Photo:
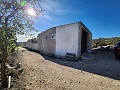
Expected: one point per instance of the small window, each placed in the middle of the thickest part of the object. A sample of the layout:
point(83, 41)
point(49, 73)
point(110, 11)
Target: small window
point(53, 36)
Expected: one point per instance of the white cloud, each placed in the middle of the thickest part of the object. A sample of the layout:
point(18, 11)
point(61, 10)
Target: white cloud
point(24, 38)
point(56, 7)
point(51, 8)
point(48, 17)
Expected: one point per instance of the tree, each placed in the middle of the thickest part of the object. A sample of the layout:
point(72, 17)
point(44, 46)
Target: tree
point(15, 18)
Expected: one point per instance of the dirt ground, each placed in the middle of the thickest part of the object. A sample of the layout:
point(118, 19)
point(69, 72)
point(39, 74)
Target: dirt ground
point(45, 73)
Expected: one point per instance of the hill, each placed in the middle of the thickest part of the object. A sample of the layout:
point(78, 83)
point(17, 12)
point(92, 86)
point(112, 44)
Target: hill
point(105, 41)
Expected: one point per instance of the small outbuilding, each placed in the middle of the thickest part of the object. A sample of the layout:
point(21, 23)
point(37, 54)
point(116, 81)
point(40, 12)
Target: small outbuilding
point(32, 44)
point(74, 38)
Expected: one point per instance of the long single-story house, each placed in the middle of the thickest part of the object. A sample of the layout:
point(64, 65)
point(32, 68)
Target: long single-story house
point(73, 38)
point(32, 44)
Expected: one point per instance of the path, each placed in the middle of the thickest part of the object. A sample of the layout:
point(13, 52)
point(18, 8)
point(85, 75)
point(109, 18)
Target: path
point(41, 74)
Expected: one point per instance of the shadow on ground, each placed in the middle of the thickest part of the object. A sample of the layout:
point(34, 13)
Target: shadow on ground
point(103, 64)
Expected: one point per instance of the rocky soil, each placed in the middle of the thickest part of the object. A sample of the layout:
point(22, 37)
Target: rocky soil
point(44, 73)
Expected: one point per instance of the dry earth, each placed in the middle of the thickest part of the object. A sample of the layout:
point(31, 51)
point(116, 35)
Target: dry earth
point(54, 74)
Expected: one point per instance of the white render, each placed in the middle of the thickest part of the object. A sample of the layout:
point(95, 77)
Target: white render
point(33, 46)
point(70, 38)
point(67, 39)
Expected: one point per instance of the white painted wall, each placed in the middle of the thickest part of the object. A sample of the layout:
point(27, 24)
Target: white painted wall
point(33, 46)
point(67, 39)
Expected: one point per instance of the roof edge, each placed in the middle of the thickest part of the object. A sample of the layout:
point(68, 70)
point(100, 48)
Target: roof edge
point(68, 24)
point(84, 26)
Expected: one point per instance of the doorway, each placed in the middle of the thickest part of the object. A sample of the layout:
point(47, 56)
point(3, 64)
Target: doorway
point(84, 41)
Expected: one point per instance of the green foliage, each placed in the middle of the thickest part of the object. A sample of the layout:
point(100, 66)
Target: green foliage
point(105, 41)
point(8, 37)
point(23, 3)
point(13, 20)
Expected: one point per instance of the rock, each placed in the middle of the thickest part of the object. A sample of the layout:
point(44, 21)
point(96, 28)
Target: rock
point(9, 67)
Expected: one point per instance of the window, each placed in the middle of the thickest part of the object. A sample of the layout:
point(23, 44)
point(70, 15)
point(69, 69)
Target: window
point(53, 36)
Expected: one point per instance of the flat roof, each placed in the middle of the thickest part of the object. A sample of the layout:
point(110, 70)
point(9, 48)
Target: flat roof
point(69, 24)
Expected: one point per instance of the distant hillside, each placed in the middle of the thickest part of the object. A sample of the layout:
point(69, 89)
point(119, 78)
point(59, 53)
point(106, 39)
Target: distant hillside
point(21, 43)
point(105, 41)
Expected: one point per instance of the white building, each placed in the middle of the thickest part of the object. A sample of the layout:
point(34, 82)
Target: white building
point(32, 44)
point(72, 38)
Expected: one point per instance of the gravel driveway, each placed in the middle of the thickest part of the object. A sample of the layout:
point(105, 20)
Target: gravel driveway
point(102, 63)
point(45, 73)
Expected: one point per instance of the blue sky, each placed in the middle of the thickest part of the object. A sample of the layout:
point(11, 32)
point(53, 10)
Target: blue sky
point(102, 17)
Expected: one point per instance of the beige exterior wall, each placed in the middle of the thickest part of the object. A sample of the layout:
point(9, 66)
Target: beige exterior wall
point(45, 42)
point(89, 41)
point(89, 37)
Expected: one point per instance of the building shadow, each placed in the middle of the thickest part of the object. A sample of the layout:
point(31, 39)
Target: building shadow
point(108, 68)
point(104, 65)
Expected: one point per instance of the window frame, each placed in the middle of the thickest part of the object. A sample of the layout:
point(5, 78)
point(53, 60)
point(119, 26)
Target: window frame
point(53, 36)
